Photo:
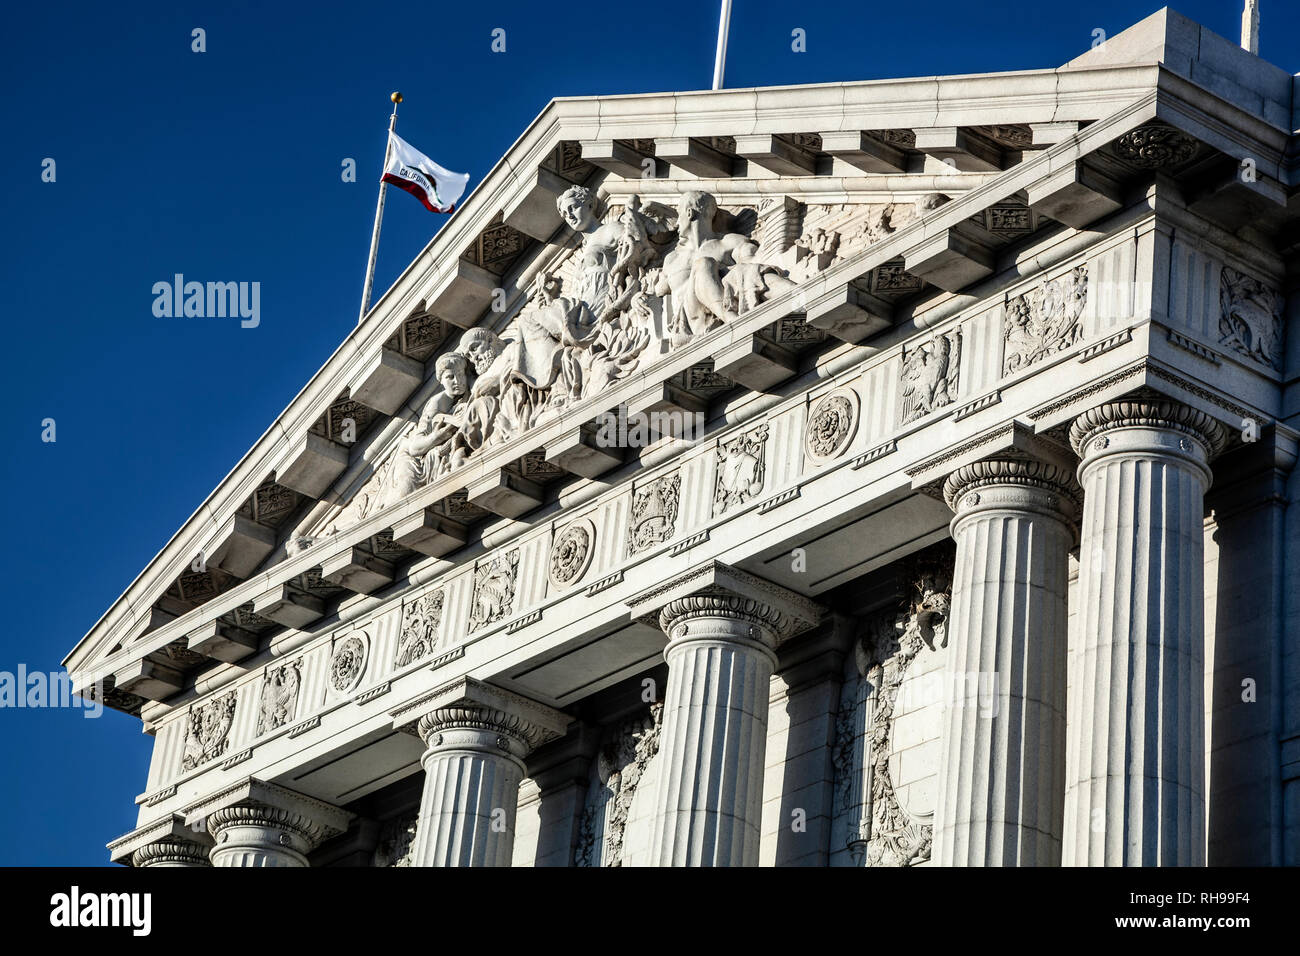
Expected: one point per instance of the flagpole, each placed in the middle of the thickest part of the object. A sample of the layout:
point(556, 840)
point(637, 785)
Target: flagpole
point(720, 58)
point(379, 216)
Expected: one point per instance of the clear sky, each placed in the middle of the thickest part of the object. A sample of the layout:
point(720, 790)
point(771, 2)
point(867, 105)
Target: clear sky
point(225, 165)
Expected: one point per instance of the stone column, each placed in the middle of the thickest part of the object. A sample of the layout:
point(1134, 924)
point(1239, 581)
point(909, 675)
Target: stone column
point(1136, 729)
point(723, 627)
point(1002, 769)
point(478, 736)
point(166, 841)
point(171, 853)
point(256, 823)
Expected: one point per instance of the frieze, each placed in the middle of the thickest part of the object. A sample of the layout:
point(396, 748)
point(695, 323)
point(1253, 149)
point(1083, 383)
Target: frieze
point(1044, 321)
point(421, 623)
point(741, 469)
point(494, 589)
point(653, 517)
point(928, 376)
point(208, 731)
point(1250, 318)
point(279, 696)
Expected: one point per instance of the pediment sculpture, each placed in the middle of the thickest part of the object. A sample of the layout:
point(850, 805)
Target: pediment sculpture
point(641, 283)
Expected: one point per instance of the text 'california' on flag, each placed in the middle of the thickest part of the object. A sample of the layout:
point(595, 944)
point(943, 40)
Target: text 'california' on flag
point(409, 169)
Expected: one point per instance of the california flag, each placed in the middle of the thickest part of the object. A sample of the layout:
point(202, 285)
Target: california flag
point(410, 169)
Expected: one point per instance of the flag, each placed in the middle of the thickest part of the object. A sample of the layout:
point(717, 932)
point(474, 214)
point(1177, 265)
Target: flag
point(409, 169)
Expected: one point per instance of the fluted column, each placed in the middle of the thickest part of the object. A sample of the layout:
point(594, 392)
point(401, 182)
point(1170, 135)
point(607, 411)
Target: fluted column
point(477, 736)
point(261, 824)
point(723, 628)
point(1002, 769)
point(1136, 729)
point(165, 841)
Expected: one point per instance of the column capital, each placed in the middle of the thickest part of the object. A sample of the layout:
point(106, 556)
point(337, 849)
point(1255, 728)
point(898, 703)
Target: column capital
point(162, 842)
point(1088, 432)
point(518, 723)
point(304, 822)
point(714, 589)
point(1044, 486)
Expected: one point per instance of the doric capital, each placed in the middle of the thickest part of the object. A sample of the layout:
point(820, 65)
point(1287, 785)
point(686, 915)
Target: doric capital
point(305, 821)
point(165, 841)
point(717, 590)
point(1031, 483)
point(1087, 434)
point(466, 710)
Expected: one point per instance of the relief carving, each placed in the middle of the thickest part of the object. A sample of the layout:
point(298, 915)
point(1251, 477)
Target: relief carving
point(880, 831)
point(1045, 320)
point(571, 552)
point(279, 696)
point(741, 469)
point(396, 846)
point(831, 425)
point(421, 620)
point(621, 762)
point(348, 662)
point(644, 280)
point(208, 732)
point(929, 376)
point(494, 589)
point(1250, 318)
point(653, 517)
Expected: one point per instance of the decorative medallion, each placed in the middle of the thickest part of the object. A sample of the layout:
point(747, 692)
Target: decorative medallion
point(653, 518)
point(741, 469)
point(421, 620)
point(831, 426)
point(571, 552)
point(1250, 318)
point(349, 662)
point(494, 589)
point(1155, 147)
point(208, 732)
point(279, 696)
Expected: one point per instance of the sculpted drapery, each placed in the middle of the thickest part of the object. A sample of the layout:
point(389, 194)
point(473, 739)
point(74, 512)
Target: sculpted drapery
point(647, 276)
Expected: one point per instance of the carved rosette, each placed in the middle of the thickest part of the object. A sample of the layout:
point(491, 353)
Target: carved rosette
point(494, 589)
point(741, 469)
point(832, 423)
point(349, 662)
point(421, 621)
point(571, 552)
point(208, 732)
point(1188, 433)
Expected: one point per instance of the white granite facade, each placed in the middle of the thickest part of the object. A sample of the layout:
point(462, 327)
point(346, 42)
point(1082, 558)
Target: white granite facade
point(946, 518)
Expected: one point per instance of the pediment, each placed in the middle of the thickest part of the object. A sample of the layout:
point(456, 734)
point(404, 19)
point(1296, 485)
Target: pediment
point(716, 243)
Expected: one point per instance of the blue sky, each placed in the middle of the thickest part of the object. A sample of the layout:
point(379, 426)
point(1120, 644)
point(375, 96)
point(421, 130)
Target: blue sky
point(225, 165)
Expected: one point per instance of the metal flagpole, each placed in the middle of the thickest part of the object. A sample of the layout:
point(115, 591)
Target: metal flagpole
point(379, 216)
point(1250, 27)
point(720, 59)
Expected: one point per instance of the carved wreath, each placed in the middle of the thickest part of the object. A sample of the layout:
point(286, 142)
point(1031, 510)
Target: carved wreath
point(831, 426)
point(572, 551)
point(348, 663)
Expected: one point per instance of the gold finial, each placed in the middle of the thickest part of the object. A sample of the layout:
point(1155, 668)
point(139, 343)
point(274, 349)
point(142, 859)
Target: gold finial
point(395, 97)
